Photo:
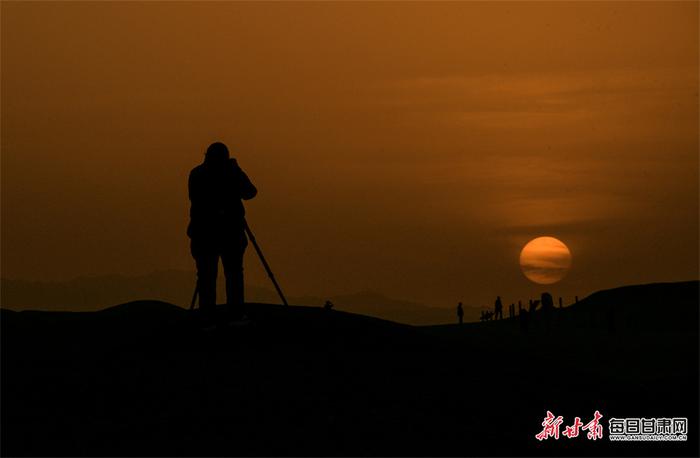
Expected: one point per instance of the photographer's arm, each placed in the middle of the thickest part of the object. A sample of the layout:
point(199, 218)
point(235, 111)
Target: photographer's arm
point(246, 188)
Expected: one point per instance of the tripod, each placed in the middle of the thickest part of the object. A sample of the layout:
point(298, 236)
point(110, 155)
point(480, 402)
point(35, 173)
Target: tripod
point(250, 235)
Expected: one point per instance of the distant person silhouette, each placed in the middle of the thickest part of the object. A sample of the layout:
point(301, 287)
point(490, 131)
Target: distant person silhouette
point(460, 313)
point(534, 305)
point(547, 309)
point(498, 309)
point(547, 302)
point(524, 316)
point(328, 305)
point(217, 225)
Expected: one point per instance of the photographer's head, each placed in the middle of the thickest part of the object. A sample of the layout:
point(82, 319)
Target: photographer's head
point(217, 152)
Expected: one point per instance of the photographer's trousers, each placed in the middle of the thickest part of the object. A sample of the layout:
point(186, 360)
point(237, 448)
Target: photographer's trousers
point(206, 253)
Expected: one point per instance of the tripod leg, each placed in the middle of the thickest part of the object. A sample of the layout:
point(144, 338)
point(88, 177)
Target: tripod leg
point(264, 263)
point(194, 296)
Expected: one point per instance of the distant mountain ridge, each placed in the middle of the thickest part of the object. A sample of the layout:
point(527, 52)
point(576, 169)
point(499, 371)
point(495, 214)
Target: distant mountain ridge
point(400, 311)
point(176, 287)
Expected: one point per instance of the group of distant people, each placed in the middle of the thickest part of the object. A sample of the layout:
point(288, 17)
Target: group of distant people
point(545, 304)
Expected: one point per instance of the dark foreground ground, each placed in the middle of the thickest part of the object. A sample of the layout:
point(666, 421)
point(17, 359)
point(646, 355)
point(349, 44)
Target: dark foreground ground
point(141, 379)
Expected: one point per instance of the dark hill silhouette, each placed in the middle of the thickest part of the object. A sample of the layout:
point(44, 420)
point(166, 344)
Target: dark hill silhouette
point(155, 324)
point(147, 308)
point(143, 378)
point(174, 286)
point(671, 307)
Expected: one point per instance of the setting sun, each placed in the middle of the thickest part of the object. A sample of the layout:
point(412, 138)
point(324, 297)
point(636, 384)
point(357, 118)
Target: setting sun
point(545, 260)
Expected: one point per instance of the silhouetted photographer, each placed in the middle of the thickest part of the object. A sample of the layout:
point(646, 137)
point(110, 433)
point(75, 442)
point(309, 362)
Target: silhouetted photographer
point(217, 225)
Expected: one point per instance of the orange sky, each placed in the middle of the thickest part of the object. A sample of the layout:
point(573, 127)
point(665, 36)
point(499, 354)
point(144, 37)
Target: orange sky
point(408, 148)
